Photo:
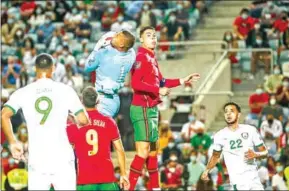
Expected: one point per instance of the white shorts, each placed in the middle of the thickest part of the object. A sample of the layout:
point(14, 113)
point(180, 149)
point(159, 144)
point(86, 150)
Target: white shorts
point(64, 179)
point(248, 181)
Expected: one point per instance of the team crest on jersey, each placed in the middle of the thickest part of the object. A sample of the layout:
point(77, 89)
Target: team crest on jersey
point(137, 65)
point(245, 135)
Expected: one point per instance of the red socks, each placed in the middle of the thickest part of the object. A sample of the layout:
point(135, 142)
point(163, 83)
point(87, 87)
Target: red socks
point(152, 166)
point(135, 170)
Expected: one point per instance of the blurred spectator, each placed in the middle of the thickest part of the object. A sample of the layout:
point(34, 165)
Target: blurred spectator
point(188, 129)
point(28, 53)
point(173, 28)
point(258, 30)
point(243, 24)
point(278, 182)
point(284, 138)
point(19, 37)
point(165, 135)
point(72, 19)
point(264, 57)
point(8, 30)
point(263, 173)
point(133, 9)
point(146, 17)
point(17, 179)
point(45, 31)
point(273, 109)
point(201, 141)
point(271, 128)
point(273, 81)
point(282, 96)
point(280, 25)
point(117, 173)
point(269, 14)
point(69, 60)
point(84, 29)
point(10, 73)
point(171, 148)
point(195, 169)
point(120, 24)
point(271, 166)
point(60, 71)
point(171, 176)
point(4, 15)
point(231, 43)
point(108, 18)
point(201, 185)
point(61, 8)
point(182, 16)
point(256, 103)
point(37, 18)
point(27, 8)
point(55, 40)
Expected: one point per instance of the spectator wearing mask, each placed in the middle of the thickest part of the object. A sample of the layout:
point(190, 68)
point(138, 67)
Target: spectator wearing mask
point(83, 30)
point(28, 52)
point(280, 25)
point(19, 37)
point(201, 141)
point(55, 40)
point(243, 24)
point(278, 182)
point(37, 18)
point(165, 135)
point(269, 14)
point(273, 81)
point(61, 8)
point(69, 60)
point(171, 148)
point(273, 109)
point(264, 57)
point(146, 17)
point(45, 31)
point(182, 16)
point(252, 35)
point(173, 28)
point(231, 43)
point(8, 30)
point(195, 169)
point(282, 96)
point(256, 103)
point(108, 18)
point(171, 176)
point(120, 24)
point(188, 129)
point(59, 72)
point(72, 19)
point(10, 73)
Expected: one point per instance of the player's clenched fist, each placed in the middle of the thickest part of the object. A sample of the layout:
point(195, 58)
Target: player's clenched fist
point(205, 176)
point(250, 154)
point(124, 183)
point(164, 91)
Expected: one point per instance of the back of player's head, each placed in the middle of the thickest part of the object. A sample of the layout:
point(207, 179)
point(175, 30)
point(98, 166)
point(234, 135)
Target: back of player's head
point(130, 39)
point(144, 30)
point(44, 61)
point(232, 104)
point(89, 97)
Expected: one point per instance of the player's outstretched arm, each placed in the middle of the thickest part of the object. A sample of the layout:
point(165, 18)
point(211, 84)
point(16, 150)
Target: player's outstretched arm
point(211, 164)
point(15, 148)
point(124, 182)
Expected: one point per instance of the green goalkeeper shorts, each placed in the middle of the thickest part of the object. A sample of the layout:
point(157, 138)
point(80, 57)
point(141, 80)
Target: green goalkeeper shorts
point(105, 186)
point(145, 123)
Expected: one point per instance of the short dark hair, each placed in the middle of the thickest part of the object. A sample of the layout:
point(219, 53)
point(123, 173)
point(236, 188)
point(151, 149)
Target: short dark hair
point(44, 61)
point(234, 104)
point(89, 97)
point(245, 10)
point(130, 38)
point(144, 29)
point(285, 78)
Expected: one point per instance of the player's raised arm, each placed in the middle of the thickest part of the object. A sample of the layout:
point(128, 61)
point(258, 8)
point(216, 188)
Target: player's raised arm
point(92, 62)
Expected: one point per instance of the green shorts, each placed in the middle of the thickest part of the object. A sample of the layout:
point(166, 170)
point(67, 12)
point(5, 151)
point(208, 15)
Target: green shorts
point(105, 186)
point(145, 123)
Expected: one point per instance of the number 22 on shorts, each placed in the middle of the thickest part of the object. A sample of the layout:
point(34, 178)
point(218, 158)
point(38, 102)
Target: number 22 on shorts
point(92, 139)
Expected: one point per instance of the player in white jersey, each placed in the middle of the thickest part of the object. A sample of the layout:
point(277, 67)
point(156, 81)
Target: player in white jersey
point(237, 142)
point(45, 105)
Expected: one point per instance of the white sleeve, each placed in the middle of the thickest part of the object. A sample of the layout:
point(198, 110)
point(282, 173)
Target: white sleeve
point(217, 144)
point(74, 103)
point(274, 181)
point(14, 102)
point(257, 140)
point(262, 129)
point(279, 129)
point(184, 128)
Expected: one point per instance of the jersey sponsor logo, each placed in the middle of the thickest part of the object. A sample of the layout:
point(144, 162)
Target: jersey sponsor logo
point(245, 135)
point(137, 65)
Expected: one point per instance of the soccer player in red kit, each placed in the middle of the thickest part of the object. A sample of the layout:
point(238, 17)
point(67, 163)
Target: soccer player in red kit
point(92, 142)
point(148, 85)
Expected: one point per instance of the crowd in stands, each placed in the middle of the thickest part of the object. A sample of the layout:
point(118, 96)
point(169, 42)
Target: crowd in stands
point(265, 24)
point(68, 30)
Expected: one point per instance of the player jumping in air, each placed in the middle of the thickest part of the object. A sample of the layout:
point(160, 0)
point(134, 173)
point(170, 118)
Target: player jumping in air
point(112, 59)
point(45, 105)
point(148, 85)
point(92, 146)
point(236, 142)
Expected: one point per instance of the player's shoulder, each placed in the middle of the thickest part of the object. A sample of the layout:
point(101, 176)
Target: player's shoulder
point(220, 132)
point(249, 128)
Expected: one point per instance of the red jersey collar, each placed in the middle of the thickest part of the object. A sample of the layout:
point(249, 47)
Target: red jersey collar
point(144, 50)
